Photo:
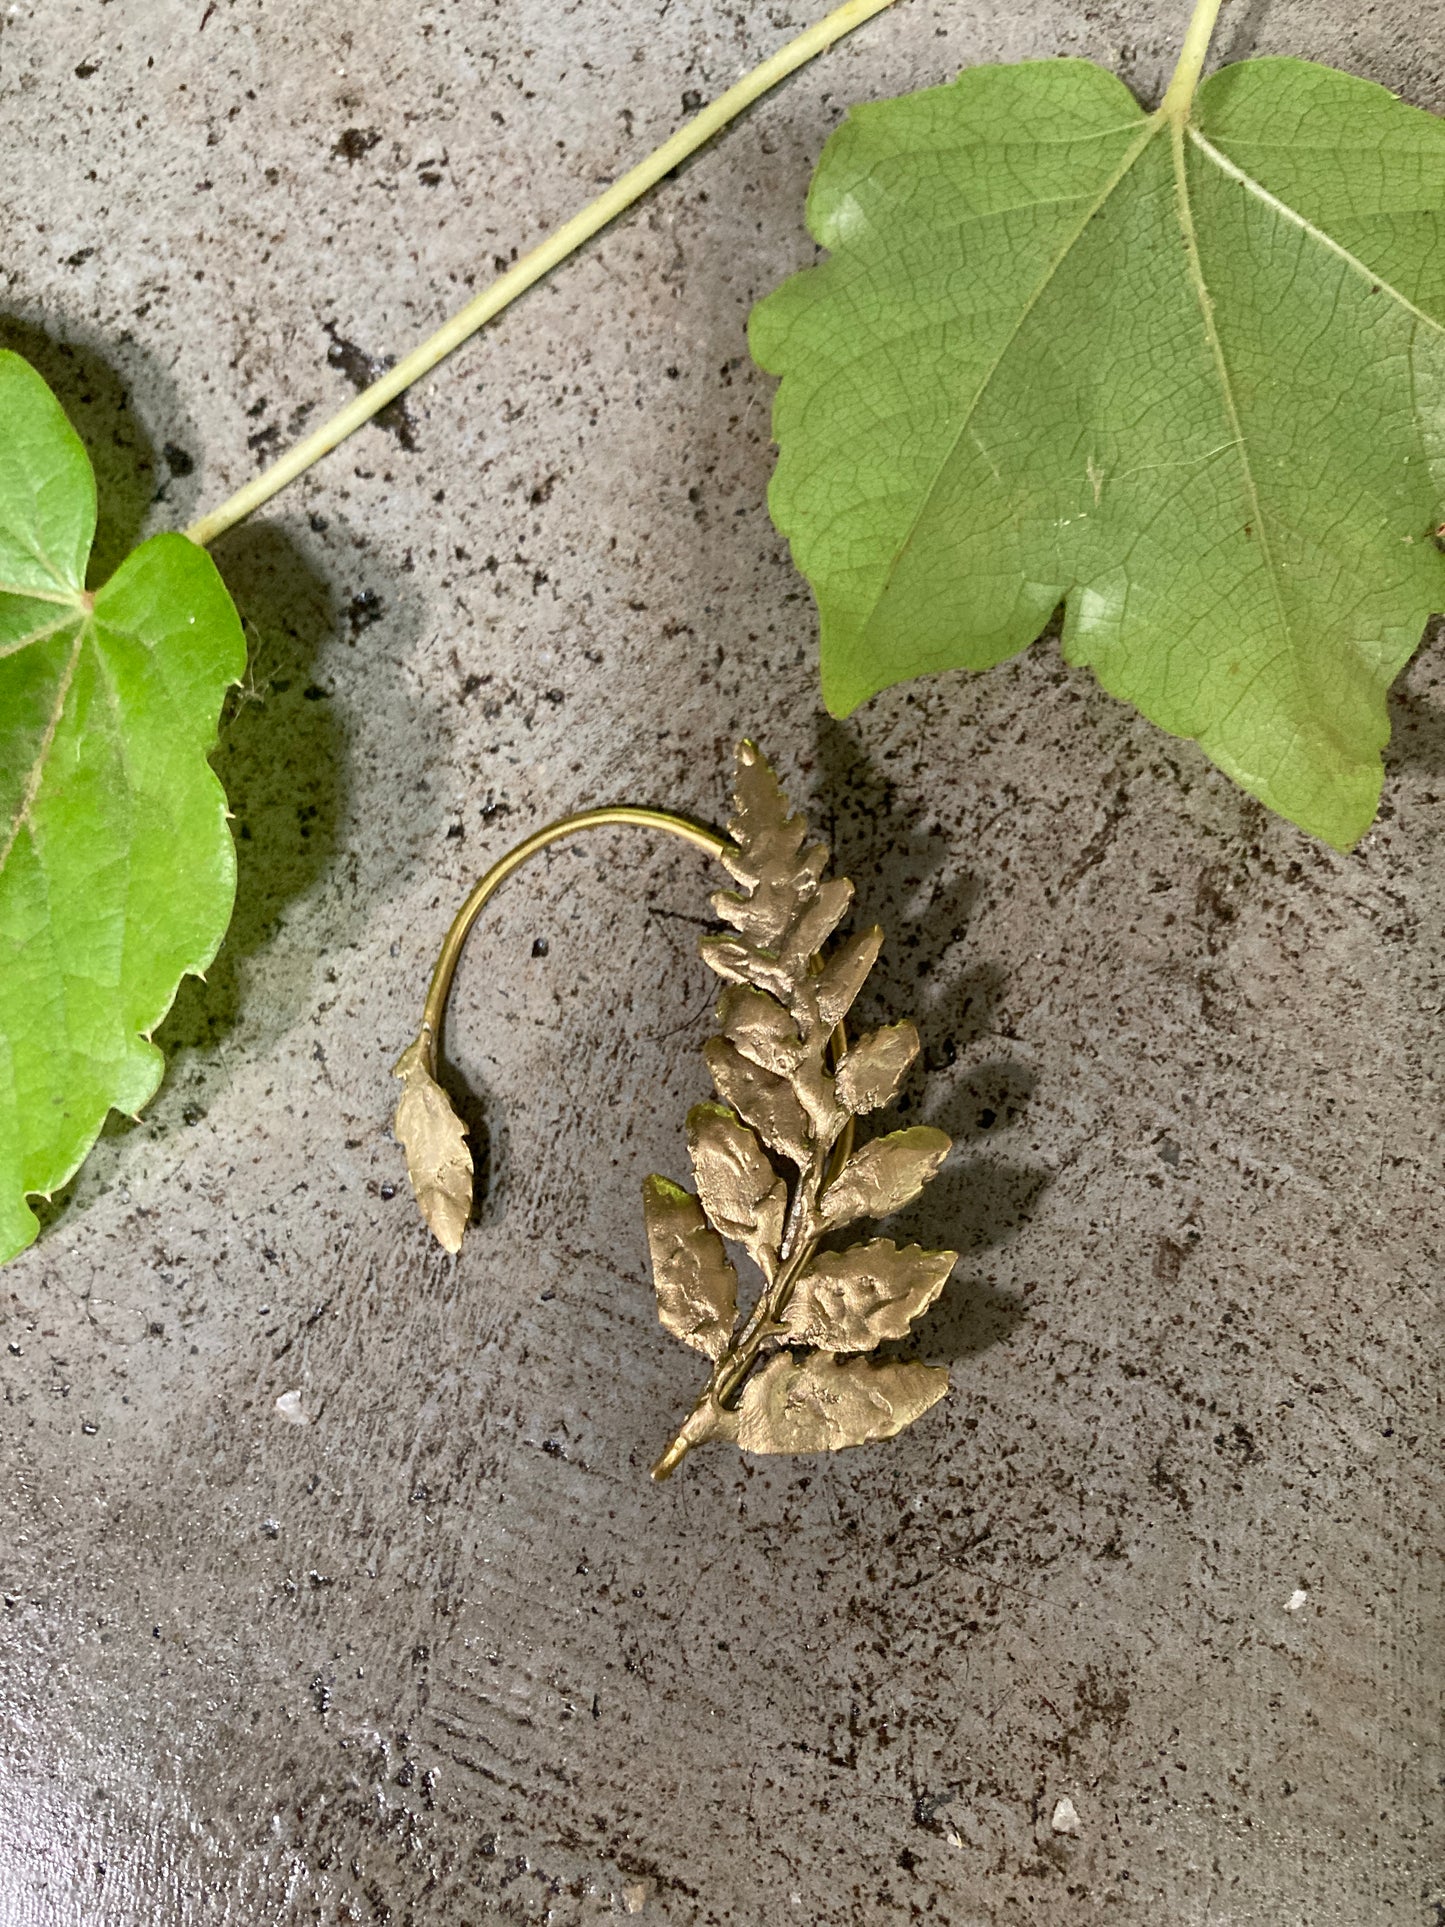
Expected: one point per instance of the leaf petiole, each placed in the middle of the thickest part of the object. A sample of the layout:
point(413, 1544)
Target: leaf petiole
point(500, 293)
point(1179, 94)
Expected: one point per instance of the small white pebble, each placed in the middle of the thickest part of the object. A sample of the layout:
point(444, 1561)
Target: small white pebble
point(634, 1897)
point(1066, 1817)
point(290, 1408)
point(1297, 1600)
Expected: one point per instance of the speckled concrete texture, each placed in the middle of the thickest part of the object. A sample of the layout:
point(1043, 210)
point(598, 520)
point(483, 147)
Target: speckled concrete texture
point(432, 1650)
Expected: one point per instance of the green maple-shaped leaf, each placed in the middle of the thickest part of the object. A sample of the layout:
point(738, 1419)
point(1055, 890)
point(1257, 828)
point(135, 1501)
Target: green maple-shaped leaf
point(1185, 370)
point(117, 870)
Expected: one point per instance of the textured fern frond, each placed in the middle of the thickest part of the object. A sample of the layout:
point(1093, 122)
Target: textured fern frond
point(770, 1171)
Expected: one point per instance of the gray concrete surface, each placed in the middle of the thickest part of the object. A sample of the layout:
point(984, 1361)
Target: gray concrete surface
point(441, 1654)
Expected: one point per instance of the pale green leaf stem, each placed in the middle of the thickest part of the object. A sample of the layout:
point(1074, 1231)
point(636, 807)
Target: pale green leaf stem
point(539, 262)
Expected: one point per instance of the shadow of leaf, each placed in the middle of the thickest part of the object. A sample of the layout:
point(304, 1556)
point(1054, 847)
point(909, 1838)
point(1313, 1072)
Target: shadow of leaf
point(969, 1317)
point(906, 878)
point(1417, 727)
point(131, 475)
point(973, 1204)
point(1242, 29)
point(989, 1098)
point(281, 760)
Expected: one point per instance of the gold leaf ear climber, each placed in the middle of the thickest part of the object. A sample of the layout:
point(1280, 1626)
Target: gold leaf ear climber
point(773, 1158)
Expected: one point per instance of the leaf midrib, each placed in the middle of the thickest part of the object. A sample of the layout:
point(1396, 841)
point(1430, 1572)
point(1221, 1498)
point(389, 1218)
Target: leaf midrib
point(42, 634)
point(1149, 128)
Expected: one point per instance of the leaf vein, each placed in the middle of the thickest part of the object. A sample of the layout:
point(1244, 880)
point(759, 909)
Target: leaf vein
point(35, 635)
point(69, 597)
point(42, 755)
point(1306, 226)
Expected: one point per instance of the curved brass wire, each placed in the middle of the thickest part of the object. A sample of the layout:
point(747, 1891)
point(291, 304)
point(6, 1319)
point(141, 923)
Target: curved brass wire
point(713, 842)
point(701, 838)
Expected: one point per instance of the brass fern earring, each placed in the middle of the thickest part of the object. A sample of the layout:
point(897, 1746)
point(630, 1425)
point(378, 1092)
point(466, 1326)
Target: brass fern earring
point(773, 1157)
